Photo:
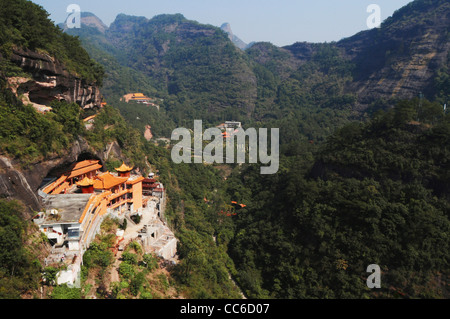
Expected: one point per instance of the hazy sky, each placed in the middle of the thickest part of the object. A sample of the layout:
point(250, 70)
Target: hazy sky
point(281, 22)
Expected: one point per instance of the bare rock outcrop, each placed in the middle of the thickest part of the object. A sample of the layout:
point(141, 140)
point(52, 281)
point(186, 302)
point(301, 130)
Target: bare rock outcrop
point(23, 183)
point(50, 80)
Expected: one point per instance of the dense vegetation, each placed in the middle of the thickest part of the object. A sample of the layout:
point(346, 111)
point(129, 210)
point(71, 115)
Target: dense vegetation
point(377, 193)
point(24, 133)
point(19, 263)
point(137, 270)
point(28, 135)
point(24, 24)
point(349, 192)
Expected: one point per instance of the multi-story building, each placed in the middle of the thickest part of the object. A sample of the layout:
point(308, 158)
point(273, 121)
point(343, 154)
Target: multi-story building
point(77, 202)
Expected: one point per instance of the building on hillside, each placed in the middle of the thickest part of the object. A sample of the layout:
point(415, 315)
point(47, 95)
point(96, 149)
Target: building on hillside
point(126, 192)
point(68, 180)
point(76, 203)
point(80, 198)
point(89, 122)
point(158, 191)
point(62, 223)
point(229, 128)
point(151, 187)
point(137, 97)
point(159, 239)
point(140, 98)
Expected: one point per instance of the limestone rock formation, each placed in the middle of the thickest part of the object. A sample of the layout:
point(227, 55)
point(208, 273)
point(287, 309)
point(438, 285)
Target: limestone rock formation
point(235, 39)
point(50, 80)
point(23, 183)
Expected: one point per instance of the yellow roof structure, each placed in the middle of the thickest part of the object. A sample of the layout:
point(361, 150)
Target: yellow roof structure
point(85, 182)
point(107, 181)
point(84, 167)
point(124, 168)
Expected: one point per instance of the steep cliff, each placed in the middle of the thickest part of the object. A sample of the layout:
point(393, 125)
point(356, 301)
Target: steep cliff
point(50, 80)
point(234, 38)
point(39, 64)
point(401, 58)
point(23, 184)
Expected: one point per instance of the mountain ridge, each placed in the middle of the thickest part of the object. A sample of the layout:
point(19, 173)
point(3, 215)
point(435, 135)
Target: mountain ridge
point(181, 57)
point(401, 58)
point(385, 69)
point(346, 196)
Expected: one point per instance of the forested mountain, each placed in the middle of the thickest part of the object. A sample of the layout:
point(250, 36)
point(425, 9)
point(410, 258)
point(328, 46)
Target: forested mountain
point(348, 194)
point(364, 164)
point(195, 63)
point(375, 193)
point(33, 143)
point(196, 70)
point(404, 56)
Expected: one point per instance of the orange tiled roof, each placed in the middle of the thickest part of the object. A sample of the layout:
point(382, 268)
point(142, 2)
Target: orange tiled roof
point(55, 184)
point(85, 182)
point(83, 164)
point(124, 168)
point(108, 181)
point(61, 188)
point(84, 167)
point(90, 118)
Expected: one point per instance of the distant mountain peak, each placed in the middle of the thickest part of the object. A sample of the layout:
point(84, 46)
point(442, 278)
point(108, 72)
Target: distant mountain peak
point(92, 20)
point(226, 27)
point(89, 19)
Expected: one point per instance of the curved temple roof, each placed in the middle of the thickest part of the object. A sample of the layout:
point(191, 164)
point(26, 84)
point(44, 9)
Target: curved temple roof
point(124, 168)
point(85, 182)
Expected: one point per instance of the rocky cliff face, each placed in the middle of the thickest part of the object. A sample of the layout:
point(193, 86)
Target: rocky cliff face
point(400, 59)
point(14, 185)
point(23, 183)
point(235, 39)
point(49, 80)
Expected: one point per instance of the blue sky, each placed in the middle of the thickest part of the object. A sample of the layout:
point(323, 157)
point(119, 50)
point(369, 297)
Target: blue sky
point(281, 22)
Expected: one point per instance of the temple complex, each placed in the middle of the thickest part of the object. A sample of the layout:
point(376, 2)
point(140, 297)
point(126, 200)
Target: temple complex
point(77, 202)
